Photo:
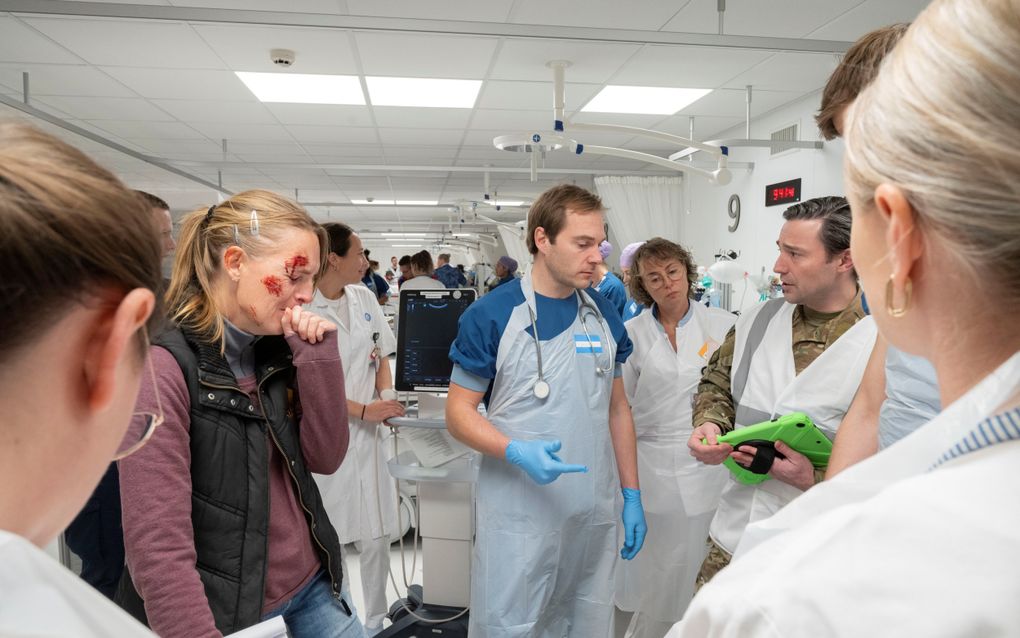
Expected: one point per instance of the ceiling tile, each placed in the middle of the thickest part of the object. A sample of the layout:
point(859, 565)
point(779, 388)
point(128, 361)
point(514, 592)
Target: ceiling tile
point(607, 14)
point(467, 10)
point(733, 102)
point(424, 56)
point(297, 6)
point(339, 134)
point(788, 72)
point(138, 43)
point(186, 84)
point(19, 43)
point(868, 16)
point(236, 132)
point(47, 79)
point(246, 48)
point(321, 114)
point(776, 18)
point(419, 137)
point(252, 112)
point(148, 130)
point(706, 127)
point(510, 121)
point(533, 96)
point(402, 116)
point(686, 67)
point(107, 108)
point(591, 62)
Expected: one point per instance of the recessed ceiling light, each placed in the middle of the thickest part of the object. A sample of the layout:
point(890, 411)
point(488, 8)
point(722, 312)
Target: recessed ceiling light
point(493, 202)
point(303, 88)
point(643, 100)
point(405, 245)
point(372, 202)
point(403, 234)
point(463, 234)
point(427, 92)
point(416, 202)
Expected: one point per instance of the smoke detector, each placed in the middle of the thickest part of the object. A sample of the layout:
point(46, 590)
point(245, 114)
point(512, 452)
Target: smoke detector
point(282, 57)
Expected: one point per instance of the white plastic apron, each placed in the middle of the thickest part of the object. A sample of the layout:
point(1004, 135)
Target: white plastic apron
point(823, 391)
point(543, 554)
point(678, 493)
point(350, 494)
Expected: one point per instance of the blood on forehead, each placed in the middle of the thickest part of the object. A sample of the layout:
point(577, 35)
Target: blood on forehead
point(291, 265)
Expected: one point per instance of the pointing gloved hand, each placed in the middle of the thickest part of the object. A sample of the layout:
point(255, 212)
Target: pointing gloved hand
point(538, 458)
point(634, 527)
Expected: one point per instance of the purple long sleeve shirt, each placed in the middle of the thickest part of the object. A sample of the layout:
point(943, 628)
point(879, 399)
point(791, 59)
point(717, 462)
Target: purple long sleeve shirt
point(155, 485)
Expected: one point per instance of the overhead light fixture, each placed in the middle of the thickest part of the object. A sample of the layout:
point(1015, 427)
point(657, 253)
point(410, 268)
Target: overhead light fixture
point(463, 234)
point(417, 202)
point(643, 100)
point(403, 234)
point(304, 88)
point(423, 92)
point(405, 246)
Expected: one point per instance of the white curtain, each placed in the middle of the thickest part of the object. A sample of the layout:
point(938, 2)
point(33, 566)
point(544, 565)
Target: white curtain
point(516, 247)
point(639, 208)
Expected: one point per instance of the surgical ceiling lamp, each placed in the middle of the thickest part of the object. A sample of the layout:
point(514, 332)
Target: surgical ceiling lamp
point(538, 143)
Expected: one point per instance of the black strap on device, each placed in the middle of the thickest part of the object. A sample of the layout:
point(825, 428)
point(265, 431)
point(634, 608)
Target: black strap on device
point(764, 456)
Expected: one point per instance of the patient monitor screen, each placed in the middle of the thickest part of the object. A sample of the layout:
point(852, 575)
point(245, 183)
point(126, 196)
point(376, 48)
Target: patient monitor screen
point(427, 328)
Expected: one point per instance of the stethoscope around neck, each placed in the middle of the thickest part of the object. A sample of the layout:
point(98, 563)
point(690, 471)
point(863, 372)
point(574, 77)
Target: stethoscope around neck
point(585, 309)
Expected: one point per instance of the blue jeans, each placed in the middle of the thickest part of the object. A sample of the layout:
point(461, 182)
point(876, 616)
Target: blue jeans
point(314, 613)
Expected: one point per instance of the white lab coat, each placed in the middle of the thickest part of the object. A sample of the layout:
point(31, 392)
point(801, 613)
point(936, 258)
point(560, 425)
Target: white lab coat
point(823, 391)
point(39, 597)
point(360, 497)
point(679, 494)
point(890, 546)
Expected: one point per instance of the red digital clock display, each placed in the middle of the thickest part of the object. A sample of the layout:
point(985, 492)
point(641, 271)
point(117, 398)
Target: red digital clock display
point(783, 193)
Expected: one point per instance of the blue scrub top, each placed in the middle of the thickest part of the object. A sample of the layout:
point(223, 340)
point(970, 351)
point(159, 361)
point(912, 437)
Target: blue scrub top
point(632, 310)
point(612, 289)
point(481, 327)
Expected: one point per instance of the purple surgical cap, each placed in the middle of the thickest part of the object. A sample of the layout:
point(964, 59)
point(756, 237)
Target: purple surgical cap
point(627, 256)
point(605, 248)
point(509, 263)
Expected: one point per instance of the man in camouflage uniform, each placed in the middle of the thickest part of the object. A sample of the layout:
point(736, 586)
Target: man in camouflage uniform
point(818, 276)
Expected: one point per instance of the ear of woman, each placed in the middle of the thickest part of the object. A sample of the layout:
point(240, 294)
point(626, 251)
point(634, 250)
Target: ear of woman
point(109, 347)
point(905, 247)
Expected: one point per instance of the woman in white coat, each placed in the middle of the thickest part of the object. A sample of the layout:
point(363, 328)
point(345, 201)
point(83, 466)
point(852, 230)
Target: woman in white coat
point(360, 497)
point(672, 343)
point(80, 261)
point(923, 538)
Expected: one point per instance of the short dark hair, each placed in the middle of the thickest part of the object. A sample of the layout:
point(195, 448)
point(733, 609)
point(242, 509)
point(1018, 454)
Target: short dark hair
point(404, 261)
point(856, 70)
point(153, 201)
point(834, 212)
point(549, 211)
point(661, 250)
point(422, 262)
point(339, 237)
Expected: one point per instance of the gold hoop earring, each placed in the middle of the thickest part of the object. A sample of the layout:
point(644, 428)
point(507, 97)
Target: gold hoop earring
point(892, 310)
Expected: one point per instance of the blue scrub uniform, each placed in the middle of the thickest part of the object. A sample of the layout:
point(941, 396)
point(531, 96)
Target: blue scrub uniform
point(613, 289)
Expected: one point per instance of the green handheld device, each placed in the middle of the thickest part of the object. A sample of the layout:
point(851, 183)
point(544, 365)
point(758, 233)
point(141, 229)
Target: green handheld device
point(794, 429)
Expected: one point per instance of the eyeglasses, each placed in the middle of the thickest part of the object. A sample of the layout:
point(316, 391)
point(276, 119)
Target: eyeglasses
point(143, 424)
point(654, 280)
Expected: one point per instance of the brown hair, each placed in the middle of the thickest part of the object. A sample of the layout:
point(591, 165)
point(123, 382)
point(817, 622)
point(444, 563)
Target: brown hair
point(207, 233)
point(153, 201)
point(549, 212)
point(855, 71)
point(659, 249)
point(69, 230)
point(421, 262)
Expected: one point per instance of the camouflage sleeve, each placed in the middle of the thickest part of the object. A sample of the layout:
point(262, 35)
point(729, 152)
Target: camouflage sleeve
point(713, 402)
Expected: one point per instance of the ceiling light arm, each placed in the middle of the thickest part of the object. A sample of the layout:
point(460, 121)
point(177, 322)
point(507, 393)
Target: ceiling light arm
point(659, 161)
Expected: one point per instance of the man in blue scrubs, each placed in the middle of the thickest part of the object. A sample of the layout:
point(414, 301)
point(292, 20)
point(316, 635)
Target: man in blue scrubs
point(545, 356)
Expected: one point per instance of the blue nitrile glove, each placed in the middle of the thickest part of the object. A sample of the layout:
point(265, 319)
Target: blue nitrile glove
point(539, 460)
point(634, 527)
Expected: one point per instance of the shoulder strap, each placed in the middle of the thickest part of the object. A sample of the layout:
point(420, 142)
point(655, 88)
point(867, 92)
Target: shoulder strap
point(754, 338)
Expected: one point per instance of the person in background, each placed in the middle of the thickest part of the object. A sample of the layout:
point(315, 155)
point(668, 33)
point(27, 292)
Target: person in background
point(506, 271)
point(360, 497)
point(224, 525)
point(394, 268)
point(373, 281)
point(546, 358)
point(892, 545)
point(633, 308)
point(405, 269)
point(96, 534)
point(450, 276)
point(606, 283)
point(421, 274)
point(81, 265)
point(899, 392)
point(672, 343)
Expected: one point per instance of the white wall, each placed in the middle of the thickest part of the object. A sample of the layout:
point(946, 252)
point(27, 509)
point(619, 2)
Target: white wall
point(705, 228)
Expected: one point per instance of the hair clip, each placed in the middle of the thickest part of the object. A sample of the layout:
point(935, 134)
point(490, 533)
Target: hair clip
point(237, 236)
point(254, 223)
point(209, 214)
